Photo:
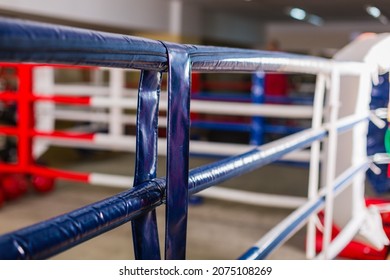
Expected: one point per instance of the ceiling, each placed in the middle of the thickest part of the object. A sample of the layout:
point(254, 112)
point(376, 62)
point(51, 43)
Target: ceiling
point(270, 10)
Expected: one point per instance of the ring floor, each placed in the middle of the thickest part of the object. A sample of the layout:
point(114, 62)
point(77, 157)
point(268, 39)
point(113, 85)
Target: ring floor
point(216, 229)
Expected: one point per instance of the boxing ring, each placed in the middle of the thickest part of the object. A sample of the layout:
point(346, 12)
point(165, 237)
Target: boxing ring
point(341, 185)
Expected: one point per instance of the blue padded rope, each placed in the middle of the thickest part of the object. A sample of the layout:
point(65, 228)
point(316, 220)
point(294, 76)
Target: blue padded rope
point(48, 238)
point(278, 238)
point(144, 228)
point(26, 41)
point(214, 173)
point(177, 151)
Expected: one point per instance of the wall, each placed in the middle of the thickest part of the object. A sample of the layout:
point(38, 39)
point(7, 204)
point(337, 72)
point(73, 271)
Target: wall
point(129, 14)
point(192, 20)
point(305, 38)
point(235, 29)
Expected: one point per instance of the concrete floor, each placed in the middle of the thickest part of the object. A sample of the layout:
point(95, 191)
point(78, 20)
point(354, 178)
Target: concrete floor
point(216, 229)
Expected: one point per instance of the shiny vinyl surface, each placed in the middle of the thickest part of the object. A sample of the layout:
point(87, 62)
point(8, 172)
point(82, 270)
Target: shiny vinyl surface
point(144, 228)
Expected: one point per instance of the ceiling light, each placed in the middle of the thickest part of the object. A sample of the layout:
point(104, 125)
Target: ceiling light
point(297, 13)
point(376, 13)
point(373, 11)
point(300, 14)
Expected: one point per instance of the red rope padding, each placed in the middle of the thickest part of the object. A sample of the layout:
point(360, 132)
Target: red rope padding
point(9, 130)
point(63, 99)
point(56, 173)
point(64, 134)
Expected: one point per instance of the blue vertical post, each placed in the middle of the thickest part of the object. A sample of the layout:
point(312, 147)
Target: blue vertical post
point(257, 96)
point(144, 228)
point(179, 70)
